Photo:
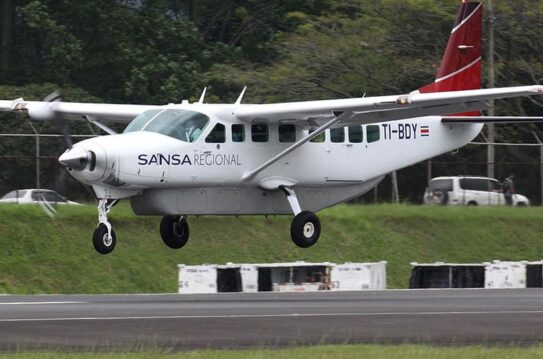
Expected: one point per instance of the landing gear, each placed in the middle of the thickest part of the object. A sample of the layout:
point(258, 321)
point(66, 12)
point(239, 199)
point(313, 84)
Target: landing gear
point(104, 238)
point(305, 228)
point(174, 231)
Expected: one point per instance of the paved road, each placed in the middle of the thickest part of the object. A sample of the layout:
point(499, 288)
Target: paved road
point(181, 322)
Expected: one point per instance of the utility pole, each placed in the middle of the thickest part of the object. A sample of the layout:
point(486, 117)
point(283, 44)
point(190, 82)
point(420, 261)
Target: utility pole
point(429, 173)
point(395, 192)
point(7, 29)
point(490, 127)
point(540, 163)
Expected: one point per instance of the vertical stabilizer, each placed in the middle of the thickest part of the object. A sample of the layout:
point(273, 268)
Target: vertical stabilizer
point(460, 67)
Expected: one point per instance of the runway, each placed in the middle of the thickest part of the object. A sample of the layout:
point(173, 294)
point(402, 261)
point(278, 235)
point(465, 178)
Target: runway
point(182, 322)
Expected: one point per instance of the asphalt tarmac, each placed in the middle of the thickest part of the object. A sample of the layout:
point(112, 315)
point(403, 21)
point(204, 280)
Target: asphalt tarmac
point(232, 320)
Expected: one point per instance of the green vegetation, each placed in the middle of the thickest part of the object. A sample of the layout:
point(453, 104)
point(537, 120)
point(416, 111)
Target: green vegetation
point(316, 352)
point(42, 255)
point(162, 51)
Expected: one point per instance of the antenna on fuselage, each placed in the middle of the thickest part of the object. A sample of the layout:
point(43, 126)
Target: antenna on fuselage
point(238, 101)
point(202, 96)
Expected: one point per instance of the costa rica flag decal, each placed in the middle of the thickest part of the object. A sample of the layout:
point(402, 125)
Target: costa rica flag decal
point(424, 131)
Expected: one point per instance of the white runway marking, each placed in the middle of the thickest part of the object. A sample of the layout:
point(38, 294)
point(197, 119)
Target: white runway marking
point(39, 303)
point(294, 315)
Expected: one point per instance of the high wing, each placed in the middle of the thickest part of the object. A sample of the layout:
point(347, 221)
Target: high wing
point(455, 120)
point(77, 111)
point(381, 109)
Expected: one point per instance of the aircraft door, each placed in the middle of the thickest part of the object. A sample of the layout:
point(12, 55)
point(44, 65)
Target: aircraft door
point(208, 155)
point(216, 163)
point(343, 149)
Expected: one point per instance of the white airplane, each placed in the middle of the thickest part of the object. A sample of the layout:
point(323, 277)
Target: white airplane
point(295, 158)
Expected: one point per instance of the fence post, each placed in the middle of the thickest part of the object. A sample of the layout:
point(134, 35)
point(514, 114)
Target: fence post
point(540, 163)
point(37, 133)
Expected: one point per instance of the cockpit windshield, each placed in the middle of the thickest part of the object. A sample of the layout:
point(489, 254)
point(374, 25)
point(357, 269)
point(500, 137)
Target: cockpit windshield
point(183, 125)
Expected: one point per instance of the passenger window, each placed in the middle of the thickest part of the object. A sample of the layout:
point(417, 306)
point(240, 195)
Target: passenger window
point(217, 134)
point(442, 184)
point(259, 133)
point(484, 185)
point(495, 186)
point(337, 135)
point(474, 184)
point(287, 133)
point(37, 196)
point(355, 134)
point(238, 133)
point(372, 133)
point(319, 139)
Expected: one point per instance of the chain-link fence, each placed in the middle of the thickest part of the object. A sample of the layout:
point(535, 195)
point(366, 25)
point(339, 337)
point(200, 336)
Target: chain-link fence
point(522, 160)
point(35, 165)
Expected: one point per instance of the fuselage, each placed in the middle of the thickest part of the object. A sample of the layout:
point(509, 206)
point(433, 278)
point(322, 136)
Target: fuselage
point(221, 150)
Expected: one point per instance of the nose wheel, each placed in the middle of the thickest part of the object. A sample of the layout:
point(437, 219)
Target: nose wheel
point(104, 238)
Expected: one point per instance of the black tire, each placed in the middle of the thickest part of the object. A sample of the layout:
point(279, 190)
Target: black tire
point(522, 204)
point(440, 196)
point(100, 240)
point(472, 203)
point(174, 233)
point(305, 229)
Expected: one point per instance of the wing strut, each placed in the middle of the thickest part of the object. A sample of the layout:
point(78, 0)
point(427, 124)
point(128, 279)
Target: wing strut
point(100, 125)
point(339, 117)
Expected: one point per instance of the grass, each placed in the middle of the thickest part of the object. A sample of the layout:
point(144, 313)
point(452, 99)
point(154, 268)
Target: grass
point(43, 255)
point(316, 352)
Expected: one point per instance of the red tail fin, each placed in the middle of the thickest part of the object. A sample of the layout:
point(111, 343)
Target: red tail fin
point(460, 67)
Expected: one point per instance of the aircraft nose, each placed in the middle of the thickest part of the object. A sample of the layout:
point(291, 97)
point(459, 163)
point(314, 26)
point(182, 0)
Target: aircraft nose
point(75, 158)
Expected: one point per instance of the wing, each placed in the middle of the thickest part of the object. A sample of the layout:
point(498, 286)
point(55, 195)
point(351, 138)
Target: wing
point(77, 111)
point(381, 109)
point(456, 120)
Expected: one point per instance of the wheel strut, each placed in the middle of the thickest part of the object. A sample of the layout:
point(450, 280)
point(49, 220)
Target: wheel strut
point(104, 238)
point(305, 228)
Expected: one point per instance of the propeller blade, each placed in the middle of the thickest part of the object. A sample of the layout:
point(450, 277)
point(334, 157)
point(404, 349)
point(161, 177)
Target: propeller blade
point(57, 118)
point(47, 207)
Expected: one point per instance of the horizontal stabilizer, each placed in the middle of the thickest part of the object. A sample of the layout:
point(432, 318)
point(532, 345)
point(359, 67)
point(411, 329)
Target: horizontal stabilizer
point(490, 119)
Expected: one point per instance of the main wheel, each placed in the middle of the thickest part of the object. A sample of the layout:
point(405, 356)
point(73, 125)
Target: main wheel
point(103, 243)
point(305, 229)
point(174, 232)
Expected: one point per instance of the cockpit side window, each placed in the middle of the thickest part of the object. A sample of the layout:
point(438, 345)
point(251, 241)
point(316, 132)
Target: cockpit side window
point(140, 121)
point(183, 125)
point(217, 134)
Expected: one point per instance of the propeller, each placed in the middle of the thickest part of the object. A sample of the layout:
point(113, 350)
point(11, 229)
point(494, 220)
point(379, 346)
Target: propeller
point(47, 111)
point(47, 207)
